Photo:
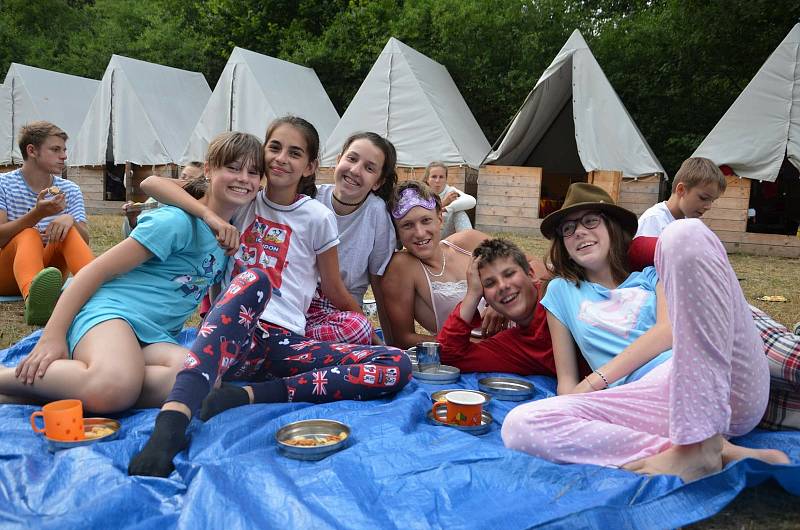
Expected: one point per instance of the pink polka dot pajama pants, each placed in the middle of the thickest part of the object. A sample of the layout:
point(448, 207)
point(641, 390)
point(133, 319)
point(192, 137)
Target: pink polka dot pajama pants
point(717, 381)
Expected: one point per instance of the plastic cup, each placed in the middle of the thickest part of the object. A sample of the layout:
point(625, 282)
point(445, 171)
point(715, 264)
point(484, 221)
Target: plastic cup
point(63, 420)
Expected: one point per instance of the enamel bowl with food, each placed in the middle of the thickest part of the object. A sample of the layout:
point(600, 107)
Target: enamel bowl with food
point(312, 439)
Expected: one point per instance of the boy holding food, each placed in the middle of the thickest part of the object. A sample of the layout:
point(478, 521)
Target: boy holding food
point(43, 230)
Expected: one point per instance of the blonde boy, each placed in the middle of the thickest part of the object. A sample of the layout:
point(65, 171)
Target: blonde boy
point(698, 183)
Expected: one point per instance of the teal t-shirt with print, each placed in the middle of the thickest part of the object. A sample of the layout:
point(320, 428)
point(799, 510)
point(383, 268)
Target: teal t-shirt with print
point(158, 296)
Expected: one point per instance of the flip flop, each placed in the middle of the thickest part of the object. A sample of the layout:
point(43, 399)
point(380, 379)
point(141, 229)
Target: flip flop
point(42, 296)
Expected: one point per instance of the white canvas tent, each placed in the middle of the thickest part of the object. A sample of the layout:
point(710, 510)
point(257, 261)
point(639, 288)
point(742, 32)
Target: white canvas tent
point(142, 113)
point(574, 117)
point(253, 90)
point(6, 129)
point(763, 124)
point(413, 101)
point(31, 94)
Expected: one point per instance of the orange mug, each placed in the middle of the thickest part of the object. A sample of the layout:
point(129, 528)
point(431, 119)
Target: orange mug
point(63, 420)
point(464, 408)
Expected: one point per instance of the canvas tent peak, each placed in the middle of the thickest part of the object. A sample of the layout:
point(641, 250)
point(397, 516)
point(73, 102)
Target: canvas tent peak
point(31, 94)
point(574, 109)
point(253, 90)
point(142, 113)
point(762, 126)
point(412, 100)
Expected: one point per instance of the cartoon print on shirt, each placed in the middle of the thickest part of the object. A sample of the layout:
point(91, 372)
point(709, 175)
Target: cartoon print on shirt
point(264, 244)
point(618, 314)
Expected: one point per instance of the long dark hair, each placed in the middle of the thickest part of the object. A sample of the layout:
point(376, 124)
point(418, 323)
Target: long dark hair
point(561, 264)
point(389, 169)
point(308, 183)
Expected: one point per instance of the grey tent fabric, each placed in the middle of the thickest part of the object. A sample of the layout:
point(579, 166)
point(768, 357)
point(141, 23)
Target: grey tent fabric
point(600, 129)
point(253, 90)
point(31, 94)
point(413, 101)
point(142, 113)
point(763, 124)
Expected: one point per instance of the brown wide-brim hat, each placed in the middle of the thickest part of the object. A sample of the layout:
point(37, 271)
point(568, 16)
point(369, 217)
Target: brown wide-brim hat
point(582, 196)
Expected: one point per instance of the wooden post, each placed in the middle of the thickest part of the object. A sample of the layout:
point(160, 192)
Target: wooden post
point(608, 180)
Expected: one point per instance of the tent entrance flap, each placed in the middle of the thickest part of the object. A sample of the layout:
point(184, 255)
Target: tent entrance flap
point(774, 207)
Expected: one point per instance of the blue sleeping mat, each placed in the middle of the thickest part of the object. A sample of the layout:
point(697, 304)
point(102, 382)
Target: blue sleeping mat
point(399, 471)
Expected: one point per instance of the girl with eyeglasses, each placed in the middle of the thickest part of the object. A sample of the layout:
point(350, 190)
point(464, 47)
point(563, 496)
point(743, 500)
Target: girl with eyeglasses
point(677, 363)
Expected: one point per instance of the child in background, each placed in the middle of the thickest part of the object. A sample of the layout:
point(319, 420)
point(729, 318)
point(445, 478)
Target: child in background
point(111, 341)
point(254, 332)
point(364, 178)
point(131, 211)
point(455, 203)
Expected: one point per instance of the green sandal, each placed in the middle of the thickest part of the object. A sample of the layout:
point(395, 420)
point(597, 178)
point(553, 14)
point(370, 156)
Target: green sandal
point(42, 296)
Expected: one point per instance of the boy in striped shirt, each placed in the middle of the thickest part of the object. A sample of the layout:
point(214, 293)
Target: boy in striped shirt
point(43, 230)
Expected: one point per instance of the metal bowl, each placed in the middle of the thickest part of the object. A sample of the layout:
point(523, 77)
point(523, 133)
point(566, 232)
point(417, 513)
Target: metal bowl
point(507, 388)
point(444, 375)
point(312, 430)
point(89, 424)
point(440, 394)
point(412, 354)
point(441, 420)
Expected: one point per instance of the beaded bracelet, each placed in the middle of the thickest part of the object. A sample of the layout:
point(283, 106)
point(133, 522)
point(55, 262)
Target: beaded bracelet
point(602, 377)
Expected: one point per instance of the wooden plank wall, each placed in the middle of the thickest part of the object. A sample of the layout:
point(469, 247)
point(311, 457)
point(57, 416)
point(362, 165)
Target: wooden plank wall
point(728, 219)
point(637, 195)
point(90, 180)
point(608, 180)
point(508, 199)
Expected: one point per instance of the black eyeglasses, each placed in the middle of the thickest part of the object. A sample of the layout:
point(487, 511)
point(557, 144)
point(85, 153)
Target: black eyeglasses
point(590, 221)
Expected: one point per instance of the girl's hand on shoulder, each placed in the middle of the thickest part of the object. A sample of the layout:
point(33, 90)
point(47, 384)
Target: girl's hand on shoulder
point(227, 234)
point(492, 322)
point(43, 354)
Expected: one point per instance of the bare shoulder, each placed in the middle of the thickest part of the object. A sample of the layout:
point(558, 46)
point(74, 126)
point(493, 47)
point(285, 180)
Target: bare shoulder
point(401, 267)
point(468, 239)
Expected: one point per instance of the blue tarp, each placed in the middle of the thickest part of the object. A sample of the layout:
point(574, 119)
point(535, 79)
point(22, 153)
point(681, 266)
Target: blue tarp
point(399, 471)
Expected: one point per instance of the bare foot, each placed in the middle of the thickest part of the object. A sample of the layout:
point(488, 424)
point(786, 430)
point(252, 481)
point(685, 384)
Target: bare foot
point(732, 453)
point(690, 462)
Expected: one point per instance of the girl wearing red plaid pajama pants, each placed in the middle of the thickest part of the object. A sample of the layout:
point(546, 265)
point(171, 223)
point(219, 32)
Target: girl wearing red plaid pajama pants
point(676, 418)
point(363, 180)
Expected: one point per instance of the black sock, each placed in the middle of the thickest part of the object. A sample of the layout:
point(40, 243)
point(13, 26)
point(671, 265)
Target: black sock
point(168, 439)
point(223, 398)
point(273, 391)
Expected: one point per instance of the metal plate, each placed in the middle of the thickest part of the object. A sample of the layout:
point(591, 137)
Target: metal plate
point(445, 375)
point(311, 429)
point(88, 425)
point(507, 388)
point(441, 417)
point(440, 394)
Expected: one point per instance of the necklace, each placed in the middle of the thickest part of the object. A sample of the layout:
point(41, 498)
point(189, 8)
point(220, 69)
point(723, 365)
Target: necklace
point(444, 264)
point(340, 201)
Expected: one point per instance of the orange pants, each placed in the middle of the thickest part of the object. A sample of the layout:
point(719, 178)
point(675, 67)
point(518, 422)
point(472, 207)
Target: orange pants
point(25, 255)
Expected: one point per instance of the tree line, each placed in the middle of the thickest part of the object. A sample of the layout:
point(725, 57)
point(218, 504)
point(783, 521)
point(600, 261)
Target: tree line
point(677, 65)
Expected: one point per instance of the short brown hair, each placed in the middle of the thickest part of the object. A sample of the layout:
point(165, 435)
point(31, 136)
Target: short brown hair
point(562, 265)
point(36, 133)
point(224, 149)
point(699, 170)
point(492, 249)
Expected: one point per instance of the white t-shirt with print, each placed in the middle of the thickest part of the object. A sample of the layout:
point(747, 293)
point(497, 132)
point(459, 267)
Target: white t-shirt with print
point(284, 241)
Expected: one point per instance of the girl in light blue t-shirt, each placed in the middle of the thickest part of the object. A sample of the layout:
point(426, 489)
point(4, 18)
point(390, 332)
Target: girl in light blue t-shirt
point(111, 341)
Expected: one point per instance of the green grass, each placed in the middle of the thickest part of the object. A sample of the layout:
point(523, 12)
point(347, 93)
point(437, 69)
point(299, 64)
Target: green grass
point(766, 506)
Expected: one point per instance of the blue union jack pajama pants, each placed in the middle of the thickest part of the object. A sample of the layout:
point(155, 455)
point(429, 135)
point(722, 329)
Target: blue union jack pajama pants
point(233, 345)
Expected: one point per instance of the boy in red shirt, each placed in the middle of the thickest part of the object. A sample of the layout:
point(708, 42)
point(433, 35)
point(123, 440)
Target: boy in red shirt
point(500, 273)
